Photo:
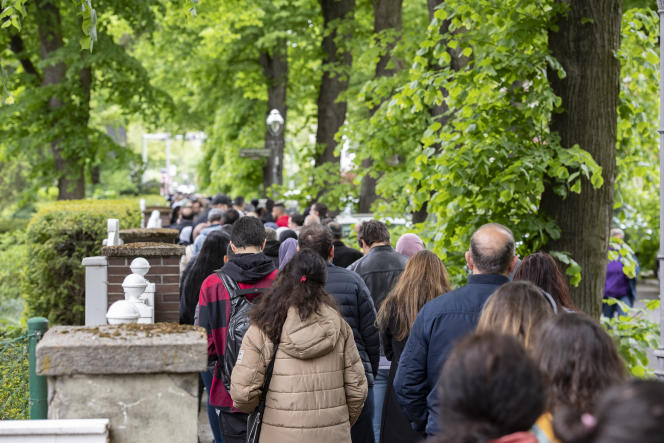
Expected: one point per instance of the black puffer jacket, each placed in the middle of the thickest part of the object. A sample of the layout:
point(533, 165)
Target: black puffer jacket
point(357, 308)
point(380, 269)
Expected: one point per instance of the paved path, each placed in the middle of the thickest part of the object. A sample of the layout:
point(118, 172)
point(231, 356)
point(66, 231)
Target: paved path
point(648, 289)
point(204, 431)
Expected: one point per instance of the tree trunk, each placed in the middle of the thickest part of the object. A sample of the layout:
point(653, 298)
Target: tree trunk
point(336, 65)
point(585, 44)
point(275, 70)
point(387, 15)
point(70, 173)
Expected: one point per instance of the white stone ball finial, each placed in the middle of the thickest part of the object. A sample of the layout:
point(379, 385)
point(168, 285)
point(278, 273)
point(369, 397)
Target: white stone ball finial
point(140, 266)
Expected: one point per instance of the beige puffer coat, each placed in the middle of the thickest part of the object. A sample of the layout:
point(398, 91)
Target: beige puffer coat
point(318, 384)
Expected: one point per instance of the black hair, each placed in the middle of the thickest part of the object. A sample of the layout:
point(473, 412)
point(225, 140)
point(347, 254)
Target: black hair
point(230, 217)
point(321, 208)
point(373, 231)
point(298, 219)
point(488, 388)
point(221, 199)
point(579, 360)
point(317, 238)
point(494, 258)
point(336, 229)
point(210, 258)
point(287, 233)
point(300, 284)
point(238, 201)
point(248, 231)
point(629, 412)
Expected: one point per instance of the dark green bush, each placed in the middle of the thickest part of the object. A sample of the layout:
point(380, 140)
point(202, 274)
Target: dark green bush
point(58, 237)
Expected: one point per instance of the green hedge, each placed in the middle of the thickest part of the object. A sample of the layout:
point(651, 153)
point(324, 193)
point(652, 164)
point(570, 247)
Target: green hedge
point(58, 237)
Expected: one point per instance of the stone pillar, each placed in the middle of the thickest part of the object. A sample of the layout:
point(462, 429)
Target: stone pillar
point(153, 235)
point(96, 290)
point(164, 211)
point(143, 378)
point(164, 272)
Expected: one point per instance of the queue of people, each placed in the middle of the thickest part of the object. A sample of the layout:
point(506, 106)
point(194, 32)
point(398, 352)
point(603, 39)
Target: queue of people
point(332, 344)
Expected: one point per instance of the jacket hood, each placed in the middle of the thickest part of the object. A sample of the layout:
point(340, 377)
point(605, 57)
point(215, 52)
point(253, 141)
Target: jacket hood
point(248, 268)
point(313, 337)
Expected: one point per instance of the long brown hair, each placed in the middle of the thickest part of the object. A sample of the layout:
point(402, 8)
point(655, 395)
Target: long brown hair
point(540, 268)
point(517, 308)
point(424, 279)
point(301, 284)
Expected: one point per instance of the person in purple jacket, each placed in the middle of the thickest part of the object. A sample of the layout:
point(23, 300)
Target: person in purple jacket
point(618, 285)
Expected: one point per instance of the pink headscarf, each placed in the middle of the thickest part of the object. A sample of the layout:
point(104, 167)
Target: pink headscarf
point(409, 245)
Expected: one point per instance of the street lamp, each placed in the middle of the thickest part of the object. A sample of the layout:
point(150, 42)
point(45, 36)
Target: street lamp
point(275, 122)
point(660, 255)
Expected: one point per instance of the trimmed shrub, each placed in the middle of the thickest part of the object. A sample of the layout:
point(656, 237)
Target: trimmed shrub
point(58, 237)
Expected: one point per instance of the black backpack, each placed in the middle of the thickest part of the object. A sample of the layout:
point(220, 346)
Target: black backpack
point(237, 325)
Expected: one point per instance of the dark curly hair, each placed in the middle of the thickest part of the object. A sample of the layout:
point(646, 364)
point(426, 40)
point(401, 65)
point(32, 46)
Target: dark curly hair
point(301, 283)
point(579, 360)
point(488, 388)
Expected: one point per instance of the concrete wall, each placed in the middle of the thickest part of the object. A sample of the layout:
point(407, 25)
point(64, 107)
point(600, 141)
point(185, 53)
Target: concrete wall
point(143, 378)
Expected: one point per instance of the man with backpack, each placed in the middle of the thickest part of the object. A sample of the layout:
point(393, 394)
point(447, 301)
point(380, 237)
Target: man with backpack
point(223, 302)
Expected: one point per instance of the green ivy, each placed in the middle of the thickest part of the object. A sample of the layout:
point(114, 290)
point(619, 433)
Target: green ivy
point(634, 334)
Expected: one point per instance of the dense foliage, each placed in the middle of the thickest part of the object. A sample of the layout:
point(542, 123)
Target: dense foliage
point(58, 238)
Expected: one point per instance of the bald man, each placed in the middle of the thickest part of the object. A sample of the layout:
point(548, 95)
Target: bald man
point(442, 322)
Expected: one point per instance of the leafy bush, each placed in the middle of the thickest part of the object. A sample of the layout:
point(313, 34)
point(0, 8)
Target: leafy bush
point(58, 237)
point(634, 334)
point(12, 264)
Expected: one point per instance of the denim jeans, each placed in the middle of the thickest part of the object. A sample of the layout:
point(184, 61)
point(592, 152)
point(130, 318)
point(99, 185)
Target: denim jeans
point(379, 388)
point(611, 310)
point(211, 410)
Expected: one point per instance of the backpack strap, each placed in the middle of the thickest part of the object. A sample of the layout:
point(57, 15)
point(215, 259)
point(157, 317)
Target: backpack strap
point(233, 289)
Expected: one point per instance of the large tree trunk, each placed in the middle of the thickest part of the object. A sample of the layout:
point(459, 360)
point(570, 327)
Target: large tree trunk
point(331, 110)
point(585, 45)
point(387, 15)
point(275, 70)
point(70, 172)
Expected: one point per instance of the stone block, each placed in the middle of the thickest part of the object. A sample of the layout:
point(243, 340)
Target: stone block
point(122, 349)
point(140, 407)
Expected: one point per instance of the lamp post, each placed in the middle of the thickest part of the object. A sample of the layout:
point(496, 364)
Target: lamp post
point(274, 142)
point(660, 255)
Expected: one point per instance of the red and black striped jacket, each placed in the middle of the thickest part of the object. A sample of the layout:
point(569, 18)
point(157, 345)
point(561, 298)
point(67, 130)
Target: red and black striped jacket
point(249, 271)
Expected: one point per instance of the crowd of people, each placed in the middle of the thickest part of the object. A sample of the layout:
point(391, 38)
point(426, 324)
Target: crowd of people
point(317, 341)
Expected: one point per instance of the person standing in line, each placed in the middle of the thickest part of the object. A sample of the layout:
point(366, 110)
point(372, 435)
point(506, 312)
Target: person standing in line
point(618, 285)
point(541, 269)
point(357, 308)
point(424, 279)
point(206, 262)
point(380, 268)
point(250, 269)
point(490, 392)
point(344, 256)
point(318, 383)
point(445, 320)
point(409, 244)
point(580, 362)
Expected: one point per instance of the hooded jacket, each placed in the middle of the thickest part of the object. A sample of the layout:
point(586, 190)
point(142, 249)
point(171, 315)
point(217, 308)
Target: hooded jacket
point(249, 271)
point(318, 386)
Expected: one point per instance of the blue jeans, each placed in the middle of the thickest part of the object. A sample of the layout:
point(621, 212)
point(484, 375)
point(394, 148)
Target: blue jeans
point(211, 410)
point(611, 310)
point(379, 388)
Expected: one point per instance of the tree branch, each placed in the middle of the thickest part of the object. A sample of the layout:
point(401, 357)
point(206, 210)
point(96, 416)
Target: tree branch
point(17, 47)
